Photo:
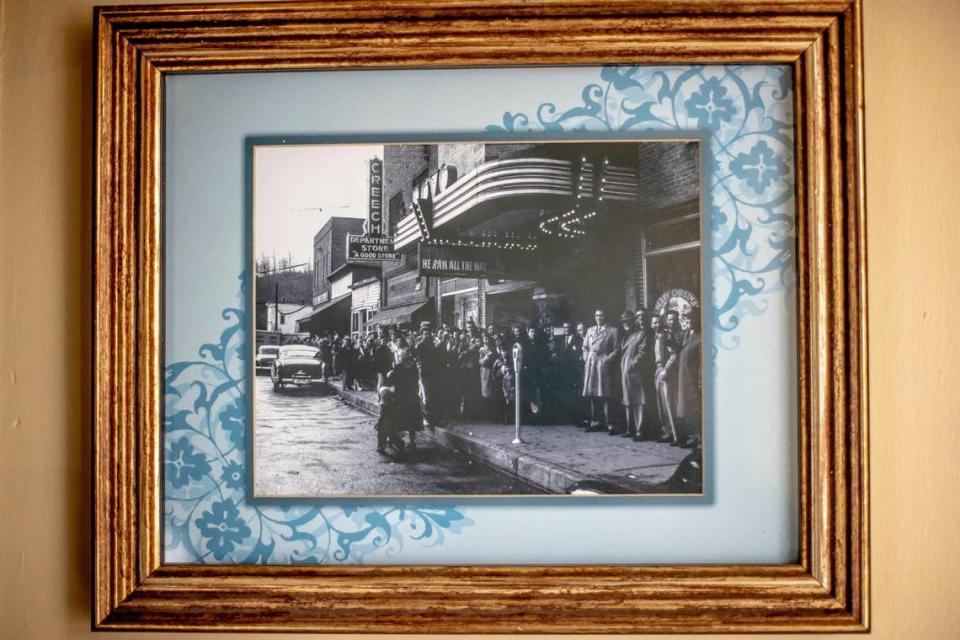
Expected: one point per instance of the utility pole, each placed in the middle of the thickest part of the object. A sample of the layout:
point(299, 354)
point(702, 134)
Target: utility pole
point(276, 306)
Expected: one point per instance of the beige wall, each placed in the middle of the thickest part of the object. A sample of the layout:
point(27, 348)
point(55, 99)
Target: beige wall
point(913, 133)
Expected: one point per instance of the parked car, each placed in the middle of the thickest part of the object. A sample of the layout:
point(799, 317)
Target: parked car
point(296, 365)
point(266, 354)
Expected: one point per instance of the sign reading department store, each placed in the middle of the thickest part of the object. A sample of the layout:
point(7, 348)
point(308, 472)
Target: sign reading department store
point(370, 248)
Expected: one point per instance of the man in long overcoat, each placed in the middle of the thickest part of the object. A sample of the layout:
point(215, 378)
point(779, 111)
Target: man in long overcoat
point(688, 382)
point(430, 364)
point(636, 358)
point(601, 375)
point(531, 375)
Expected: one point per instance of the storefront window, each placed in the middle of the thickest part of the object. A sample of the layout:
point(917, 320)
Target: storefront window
point(683, 230)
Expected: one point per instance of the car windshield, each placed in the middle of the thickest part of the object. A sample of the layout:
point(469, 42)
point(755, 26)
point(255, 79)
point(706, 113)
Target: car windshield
point(269, 351)
point(298, 351)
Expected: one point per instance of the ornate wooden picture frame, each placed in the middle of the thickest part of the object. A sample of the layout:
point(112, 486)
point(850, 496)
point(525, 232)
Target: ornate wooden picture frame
point(826, 590)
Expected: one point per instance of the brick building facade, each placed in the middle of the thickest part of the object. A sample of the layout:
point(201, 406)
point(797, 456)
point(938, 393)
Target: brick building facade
point(331, 313)
point(329, 253)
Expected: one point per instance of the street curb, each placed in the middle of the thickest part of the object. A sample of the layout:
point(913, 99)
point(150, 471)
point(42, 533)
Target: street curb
point(542, 473)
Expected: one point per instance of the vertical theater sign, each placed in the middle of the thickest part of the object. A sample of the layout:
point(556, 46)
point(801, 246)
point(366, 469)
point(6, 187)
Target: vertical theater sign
point(374, 245)
point(375, 208)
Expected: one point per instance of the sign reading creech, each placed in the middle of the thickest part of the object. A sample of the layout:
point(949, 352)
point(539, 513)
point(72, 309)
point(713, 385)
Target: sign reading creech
point(375, 210)
point(370, 249)
point(373, 245)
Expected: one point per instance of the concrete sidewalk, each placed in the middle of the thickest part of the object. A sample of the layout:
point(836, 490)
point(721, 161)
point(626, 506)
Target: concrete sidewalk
point(558, 458)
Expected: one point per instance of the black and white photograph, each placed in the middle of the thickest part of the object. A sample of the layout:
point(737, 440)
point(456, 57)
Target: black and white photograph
point(476, 319)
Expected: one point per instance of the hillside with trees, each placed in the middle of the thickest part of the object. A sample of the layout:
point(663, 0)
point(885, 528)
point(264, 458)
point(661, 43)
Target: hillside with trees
point(278, 280)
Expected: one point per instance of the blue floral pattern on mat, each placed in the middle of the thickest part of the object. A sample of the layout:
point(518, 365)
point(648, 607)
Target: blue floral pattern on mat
point(747, 112)
point(206, 516)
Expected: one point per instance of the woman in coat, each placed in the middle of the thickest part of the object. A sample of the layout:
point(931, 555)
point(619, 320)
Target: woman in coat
point(347, 359)
point(487, 360)
point(508, 383)
point(399, 403)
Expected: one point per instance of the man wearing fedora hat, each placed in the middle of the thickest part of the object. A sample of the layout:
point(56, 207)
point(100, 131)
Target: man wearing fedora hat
point(636, 363)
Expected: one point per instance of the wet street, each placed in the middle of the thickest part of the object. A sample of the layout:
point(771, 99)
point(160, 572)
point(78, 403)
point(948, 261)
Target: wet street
point(309, 444)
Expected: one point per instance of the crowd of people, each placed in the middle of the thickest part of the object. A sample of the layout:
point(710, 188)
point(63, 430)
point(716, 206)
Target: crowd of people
point(638, 380)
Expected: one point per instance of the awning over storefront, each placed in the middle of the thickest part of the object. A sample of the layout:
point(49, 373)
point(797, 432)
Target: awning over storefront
point(329, 315)
point(402, 314)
